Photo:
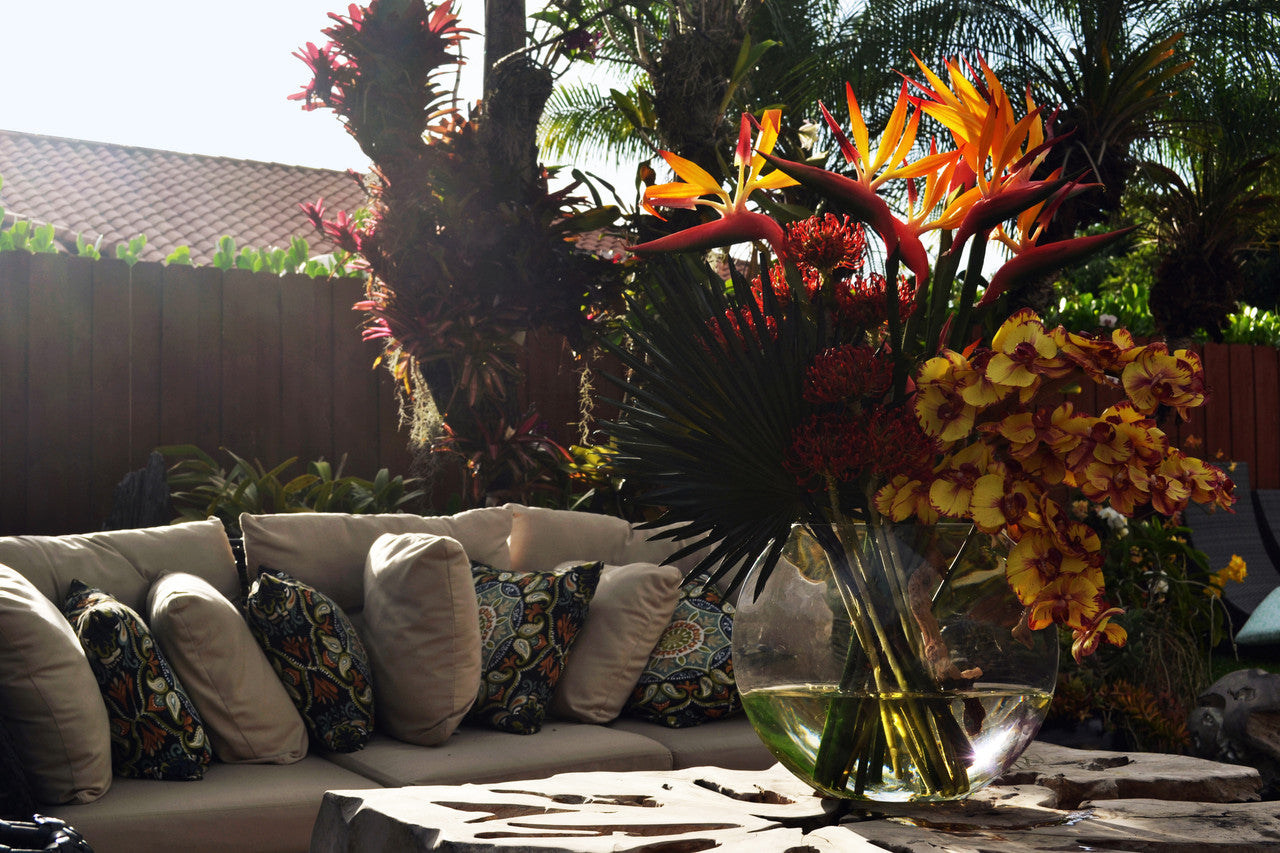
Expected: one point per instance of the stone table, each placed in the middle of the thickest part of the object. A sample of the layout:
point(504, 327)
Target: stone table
point(1054, 799)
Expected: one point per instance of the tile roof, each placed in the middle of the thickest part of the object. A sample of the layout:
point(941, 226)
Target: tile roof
point(99, 189)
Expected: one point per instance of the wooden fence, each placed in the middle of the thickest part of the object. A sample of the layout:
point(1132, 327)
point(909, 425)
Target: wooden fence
point(100, 363)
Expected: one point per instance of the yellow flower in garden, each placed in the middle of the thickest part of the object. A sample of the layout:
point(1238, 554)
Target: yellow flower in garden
point(976, 389)
point(902, 498)
point(1073, 600)
point(1097, 356)
point(1124, 487)
point(1036, 560)
point(1168, 493)
point(940, 403)
point(1019, 343)
point(1085, 642)
point(955, 477)
point(1158, 378)
point(1001, 501)
point(1236, 569)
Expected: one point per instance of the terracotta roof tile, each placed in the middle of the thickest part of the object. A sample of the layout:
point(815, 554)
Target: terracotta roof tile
point(99, 189)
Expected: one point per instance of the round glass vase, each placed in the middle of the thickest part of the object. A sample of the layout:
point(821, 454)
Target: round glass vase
point(891, 662)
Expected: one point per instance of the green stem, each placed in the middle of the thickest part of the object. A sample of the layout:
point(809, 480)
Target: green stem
point(887, 712)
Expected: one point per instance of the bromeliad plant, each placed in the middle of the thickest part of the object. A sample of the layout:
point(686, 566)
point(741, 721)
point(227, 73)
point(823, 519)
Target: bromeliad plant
point(829, 391)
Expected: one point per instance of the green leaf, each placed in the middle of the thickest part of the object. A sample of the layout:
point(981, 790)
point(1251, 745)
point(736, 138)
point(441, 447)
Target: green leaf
point(180, 256)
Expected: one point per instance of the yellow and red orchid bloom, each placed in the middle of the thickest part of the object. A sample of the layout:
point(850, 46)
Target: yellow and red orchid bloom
point(902, 498)
point(940, 404)
point(1019, 345)
point(955, 477)
point(736, 224)
point(1095, 630)
point(1000, 500)
point(1158, 378)
point(1073, 600)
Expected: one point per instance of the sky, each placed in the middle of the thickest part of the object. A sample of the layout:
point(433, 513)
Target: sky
point(193, 76)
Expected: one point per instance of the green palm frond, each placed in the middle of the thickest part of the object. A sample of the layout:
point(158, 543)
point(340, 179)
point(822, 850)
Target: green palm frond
point(707, 419)
point(581, 119)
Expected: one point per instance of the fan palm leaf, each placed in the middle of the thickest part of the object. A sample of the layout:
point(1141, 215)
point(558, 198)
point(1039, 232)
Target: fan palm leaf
point(711, 406)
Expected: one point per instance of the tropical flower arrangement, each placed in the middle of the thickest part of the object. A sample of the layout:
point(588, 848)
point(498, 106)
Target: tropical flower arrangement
point(859, 379)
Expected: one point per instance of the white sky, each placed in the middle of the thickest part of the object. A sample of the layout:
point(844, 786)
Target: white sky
point(196, 76)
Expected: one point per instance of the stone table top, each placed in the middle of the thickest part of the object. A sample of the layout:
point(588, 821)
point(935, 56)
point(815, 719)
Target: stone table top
point(1054, 799)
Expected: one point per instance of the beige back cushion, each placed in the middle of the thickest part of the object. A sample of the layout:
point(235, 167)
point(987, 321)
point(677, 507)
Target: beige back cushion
point(248, 715)
point(125, 563)
point(422, 632)
point(631, 609)
point(328, 550)
point(544, 538)
point(49, 698)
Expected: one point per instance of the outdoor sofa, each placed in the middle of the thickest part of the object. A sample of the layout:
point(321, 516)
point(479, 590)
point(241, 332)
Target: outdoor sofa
point(406, 583)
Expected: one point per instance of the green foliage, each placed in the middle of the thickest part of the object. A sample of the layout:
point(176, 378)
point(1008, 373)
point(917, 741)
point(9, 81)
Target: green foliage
point(1119, 286)
point(85, 249)
point(129, 252)
point(200, 487)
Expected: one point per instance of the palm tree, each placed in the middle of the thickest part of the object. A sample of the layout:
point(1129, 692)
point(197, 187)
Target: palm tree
point(1212, 208)
point(1113, 68)
point(680, 71)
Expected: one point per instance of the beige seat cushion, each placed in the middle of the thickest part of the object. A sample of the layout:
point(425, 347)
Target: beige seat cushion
point(258, 808)
point(247, 714)
point(422, 633)
point(49, 698)
point(327, 550)
point(631, 608)
point(483, 755)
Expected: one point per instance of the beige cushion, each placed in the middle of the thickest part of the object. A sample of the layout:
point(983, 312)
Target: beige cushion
point(542, 538)
point(124, 563)
point(422, 633)
point(49, 698)
point(328, 550)
point(631, 608)
point(247, 713)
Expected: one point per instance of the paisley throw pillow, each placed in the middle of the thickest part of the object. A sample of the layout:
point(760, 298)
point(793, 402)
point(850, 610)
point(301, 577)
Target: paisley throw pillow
point(155, 730)
point(528, 622)
point(318, 656)
point(689, 677)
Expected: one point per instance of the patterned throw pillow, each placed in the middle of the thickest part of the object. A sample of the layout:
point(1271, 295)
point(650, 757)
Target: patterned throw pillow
point(689, 677)
point(313, 647)
point(155, 730)
point(528, 623)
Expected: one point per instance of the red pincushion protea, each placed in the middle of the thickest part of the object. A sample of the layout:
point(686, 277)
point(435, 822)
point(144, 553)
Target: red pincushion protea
point(847, 372)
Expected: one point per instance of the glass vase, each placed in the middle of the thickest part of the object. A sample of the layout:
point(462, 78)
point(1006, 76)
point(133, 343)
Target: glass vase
point(891, 662)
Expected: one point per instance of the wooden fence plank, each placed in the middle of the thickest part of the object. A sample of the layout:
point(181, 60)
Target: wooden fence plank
point(191, 355)
point(1217, 429)
point(251, 407)
point(1266, 385)
point(145, 435)
point(110, 395)
point(355, 410)
point(58, 352)
point(306, 350)
point(15, 392)
point(1244, 422)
